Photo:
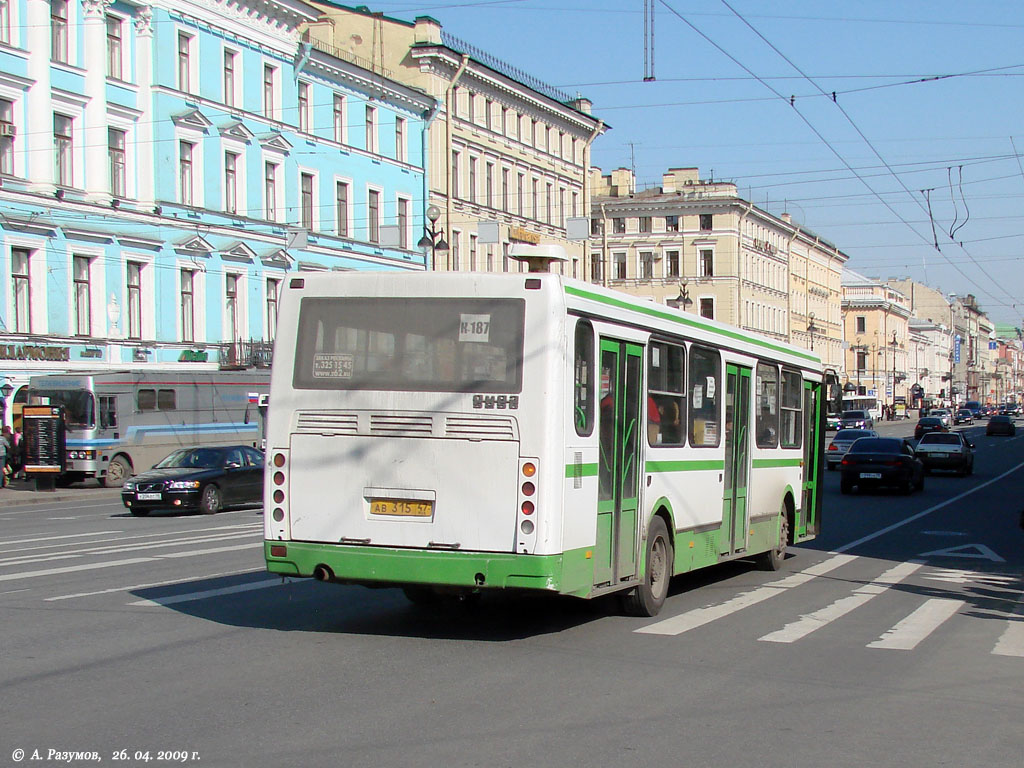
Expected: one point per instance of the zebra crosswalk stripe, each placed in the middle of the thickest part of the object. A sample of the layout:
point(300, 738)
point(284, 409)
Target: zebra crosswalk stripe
point(907, 634)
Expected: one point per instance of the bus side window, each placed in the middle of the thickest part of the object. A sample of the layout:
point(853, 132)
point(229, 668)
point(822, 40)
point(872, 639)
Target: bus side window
point(146, 400)
point(792, 386)
point(767, 393)
point(583, 379)
point(704, 391)
point(666, 398)
point(108, 412)
point(165, 400)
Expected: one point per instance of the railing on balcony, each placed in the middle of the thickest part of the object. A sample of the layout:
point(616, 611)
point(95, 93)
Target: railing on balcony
point(240, 355)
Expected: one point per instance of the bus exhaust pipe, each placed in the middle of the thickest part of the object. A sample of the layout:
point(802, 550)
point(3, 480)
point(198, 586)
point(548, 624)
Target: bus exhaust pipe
point(323, 573)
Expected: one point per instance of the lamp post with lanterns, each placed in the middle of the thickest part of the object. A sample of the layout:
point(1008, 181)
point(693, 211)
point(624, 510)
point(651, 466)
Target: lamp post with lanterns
point(433, 238)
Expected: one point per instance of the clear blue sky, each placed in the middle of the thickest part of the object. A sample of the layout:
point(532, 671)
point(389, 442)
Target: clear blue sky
point(852, 170)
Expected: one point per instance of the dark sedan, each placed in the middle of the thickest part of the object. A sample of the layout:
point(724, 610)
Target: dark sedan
point(198, 478)
point(881, 462)
point(929, 424)
point(1000, 425)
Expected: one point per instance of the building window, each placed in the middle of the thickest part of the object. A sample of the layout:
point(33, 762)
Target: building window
point(472, 179)
point(373, 216)
point(645, 224)
point(707, 262)
point(671, 223)
point(862, 324)
point(7, 132)
point(472, 251)
point(231, 306)
point(619, 265)
point(535, 199)
point(230, 59)
point(596, 227)
point(595, 267)
point(114, 48)
point(5, 21)
point(647, 265)
point(471, 106)
point(341, 207)
point(339, 118)
point(575, 204)
point(62, 145)
point(231, 182)
point(371, 129)
point(618, 225)
point(134, 300)
point(706, 222)
point(707, 308)
point(456, 251)
point(504, 189)
point(488, 110)
point(188, 305)
point(455, 174)
point(549, 201)
point(273, 289)
point(862, 361)
point(184, 62)
point(306, 195)
point(270, 190)
point(489, 185)
point(561, 208)
point(305, 119)
point(59, 31)
point(520, 181)
point(22, 289)
point(400, 153)
point(269, 75)
point(116, 141)
point(403, 222)
point(185, 170)
point(672, 264)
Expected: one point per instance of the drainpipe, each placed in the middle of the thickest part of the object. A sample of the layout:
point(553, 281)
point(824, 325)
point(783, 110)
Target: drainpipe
point(604, 247)
point(449, 116)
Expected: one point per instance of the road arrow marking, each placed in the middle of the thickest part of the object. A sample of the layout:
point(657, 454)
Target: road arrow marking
point(981, 553)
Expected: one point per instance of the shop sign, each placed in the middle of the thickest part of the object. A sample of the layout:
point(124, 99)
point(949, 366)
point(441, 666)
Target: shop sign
point(521, 235)
point(34, 352)
point(193, 356)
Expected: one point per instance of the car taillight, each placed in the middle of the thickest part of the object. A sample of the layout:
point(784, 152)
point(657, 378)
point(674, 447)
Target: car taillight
point(832, 447)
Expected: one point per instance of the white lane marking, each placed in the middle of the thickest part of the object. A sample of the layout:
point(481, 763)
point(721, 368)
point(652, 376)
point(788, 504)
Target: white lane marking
point(943, 533)
point(146, 586)
point(1011, 643)
point(810, 622)
point(25, 560)
point(928, 511)
point(982, 553)
point(957, 576)
point(13, 591)
point(55, 538)
point(32, 508)
point(149, 535)
point(907, 634)
point(214, 550)
point(698, 617)
point(190, 596)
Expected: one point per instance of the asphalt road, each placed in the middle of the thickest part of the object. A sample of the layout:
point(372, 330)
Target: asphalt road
point(895, 639)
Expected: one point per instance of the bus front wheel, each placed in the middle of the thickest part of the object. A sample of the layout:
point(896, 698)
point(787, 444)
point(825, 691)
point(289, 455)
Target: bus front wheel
point(118, 471)
point(647, 598)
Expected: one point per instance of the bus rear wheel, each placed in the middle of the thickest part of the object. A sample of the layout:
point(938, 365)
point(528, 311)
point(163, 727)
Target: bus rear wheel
point(772, 559)
point(119, 470)
point(647, 598)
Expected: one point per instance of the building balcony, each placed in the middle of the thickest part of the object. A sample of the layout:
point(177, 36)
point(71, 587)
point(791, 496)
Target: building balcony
point(241, 355)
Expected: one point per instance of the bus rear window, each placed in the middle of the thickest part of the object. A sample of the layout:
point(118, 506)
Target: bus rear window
point(399, 344)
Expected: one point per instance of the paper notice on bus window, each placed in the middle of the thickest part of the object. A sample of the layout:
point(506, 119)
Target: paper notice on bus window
point(474, 328)
point(710, 390)
point(710, 433)
point(331, 366)
point(698, 396)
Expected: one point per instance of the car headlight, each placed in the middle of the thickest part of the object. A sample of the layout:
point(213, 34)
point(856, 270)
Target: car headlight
point(129, 485)
point(182, 485)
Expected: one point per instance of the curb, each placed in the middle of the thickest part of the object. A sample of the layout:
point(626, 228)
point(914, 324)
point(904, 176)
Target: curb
point(22, 494)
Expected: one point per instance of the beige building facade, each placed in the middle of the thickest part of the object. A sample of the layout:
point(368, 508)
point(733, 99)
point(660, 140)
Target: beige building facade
point(698, 245)
point(508, 154)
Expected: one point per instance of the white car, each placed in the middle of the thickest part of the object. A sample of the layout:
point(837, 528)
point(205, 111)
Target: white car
point(944, 414)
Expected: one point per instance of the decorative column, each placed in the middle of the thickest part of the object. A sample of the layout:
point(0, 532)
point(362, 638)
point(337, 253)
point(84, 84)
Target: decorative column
point(38, 103)
point(96, 176)
point(143, 164)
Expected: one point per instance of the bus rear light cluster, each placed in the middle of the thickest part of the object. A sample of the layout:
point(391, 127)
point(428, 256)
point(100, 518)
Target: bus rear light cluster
point(278, 460)
point(526, 528)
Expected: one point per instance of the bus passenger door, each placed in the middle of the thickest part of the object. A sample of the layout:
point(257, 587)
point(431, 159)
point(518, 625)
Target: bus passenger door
point(618, 471)
point(733, 537)
point(810, 503)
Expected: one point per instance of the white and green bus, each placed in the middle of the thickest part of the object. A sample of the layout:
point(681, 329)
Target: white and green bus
point(468, 432)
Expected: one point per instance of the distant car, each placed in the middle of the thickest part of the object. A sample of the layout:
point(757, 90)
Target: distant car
point(929, 424)
point(1012, 409)
point(1001, 424)
point(856, 419)
point(840, 444)
point(944, 414)
point(946, 450)
point(205, 479)
point(881, 462)
point(832, 422)
point(963, 416)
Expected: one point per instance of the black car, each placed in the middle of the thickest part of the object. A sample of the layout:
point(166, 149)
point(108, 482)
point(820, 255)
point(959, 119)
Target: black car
point(856, 419)
point(1001, 425)
point(198, 478)
point(881, 461)
point(946, 450)
point(929, 424)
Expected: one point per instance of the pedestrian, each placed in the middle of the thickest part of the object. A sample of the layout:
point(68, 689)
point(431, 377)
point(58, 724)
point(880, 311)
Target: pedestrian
point(5, 452)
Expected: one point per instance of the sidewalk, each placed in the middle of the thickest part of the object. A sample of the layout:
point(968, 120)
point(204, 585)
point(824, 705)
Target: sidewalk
point(21, 493)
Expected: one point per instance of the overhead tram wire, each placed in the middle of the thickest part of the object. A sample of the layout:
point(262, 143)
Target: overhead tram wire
point(877, 154)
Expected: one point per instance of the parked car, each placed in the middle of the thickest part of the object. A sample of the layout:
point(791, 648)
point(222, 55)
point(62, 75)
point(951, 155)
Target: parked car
point(841, 443)
point(881, 462)
point(929, 424)
point(944, 414)
point(963, 416)
point(1001, 424)
point(856, 419)
point(946, 450)
point(205, 479)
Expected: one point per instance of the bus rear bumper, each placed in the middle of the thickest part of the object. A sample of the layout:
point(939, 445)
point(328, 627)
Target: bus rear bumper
point(388, 567)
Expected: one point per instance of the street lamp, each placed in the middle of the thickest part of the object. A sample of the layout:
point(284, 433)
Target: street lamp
point(682, 301)
point(434, 238)
point(894, 345)
point(811, 328)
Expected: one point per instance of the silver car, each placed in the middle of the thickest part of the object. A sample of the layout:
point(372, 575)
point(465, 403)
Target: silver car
point(841, 442)
point(944, 414)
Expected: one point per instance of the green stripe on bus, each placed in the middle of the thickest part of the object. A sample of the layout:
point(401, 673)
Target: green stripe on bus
point(766, 463)
point(684, 466)
point(689, 321)
point(581, 470)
